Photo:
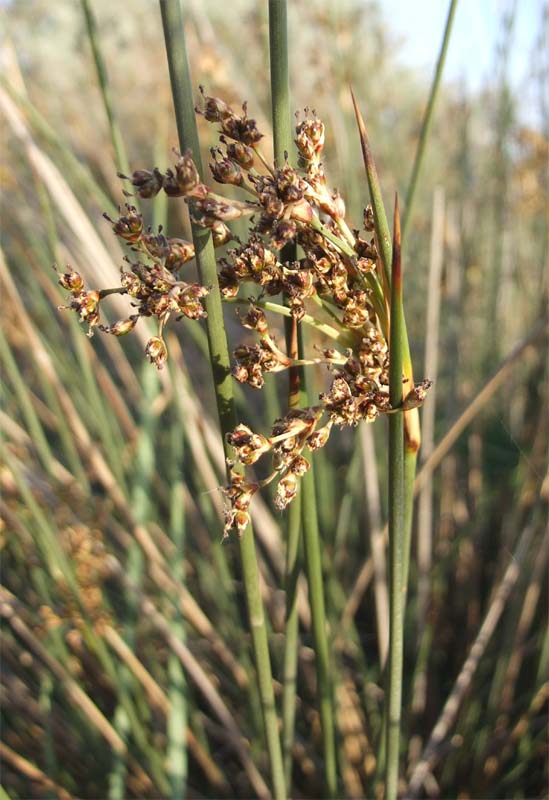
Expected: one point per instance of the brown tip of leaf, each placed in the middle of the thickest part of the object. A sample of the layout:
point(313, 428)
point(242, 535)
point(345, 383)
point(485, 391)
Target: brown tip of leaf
point(396, 267)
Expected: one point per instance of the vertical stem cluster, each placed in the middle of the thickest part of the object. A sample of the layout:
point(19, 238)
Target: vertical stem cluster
point(172, 22)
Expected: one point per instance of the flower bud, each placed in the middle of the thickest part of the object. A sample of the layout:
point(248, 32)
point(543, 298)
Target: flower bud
point(157, 246)
point(186, 173)
point(242, 154)
point(121, 327)
point(240, 373)
point(156, 351)
point(369, 224)
point(236, 519)
point(86, 304)
point(255, 320)
point(131, 283)
point(249, 446)
point(302, 211)
point(417, 396)
point(147, 182)
point(72, 282)
point(129, 226)
point(318, 438)
point(226, 171)
point(310, 137)
point(220, 233)
point(171, 185)
point(284, 232)
point(179, 252)
point(250, 134)
point(299, 466)
point(286, 491)
point(215, 110)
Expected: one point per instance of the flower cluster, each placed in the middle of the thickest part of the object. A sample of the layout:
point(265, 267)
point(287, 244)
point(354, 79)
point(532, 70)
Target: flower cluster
point(150, 282)
point(338, 276)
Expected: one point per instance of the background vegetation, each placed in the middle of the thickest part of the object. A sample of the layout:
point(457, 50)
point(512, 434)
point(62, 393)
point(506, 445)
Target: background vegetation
point(126, 659)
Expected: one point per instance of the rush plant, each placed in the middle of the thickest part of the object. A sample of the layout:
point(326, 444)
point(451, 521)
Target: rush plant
point(303, 259)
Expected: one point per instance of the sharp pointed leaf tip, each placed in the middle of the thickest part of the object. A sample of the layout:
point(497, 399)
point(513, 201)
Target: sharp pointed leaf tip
point(396, 269)
point(397, 220)
point(360, 122)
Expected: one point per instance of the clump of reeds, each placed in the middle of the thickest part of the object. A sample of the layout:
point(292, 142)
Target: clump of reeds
point(344, 285)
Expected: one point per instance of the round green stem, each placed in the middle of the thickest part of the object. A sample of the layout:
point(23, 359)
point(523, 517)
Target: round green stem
point(219, 356)
point(397, 518)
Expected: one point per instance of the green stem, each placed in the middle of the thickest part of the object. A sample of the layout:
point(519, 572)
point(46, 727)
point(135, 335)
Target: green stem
point(410, 465)
point(291, 636)
point(313, 564)
point(280, 79)
point(172, 22)
point(427, 119)
point(116, 136)
point(397, 519)
point(177, 758)
point(283, 145)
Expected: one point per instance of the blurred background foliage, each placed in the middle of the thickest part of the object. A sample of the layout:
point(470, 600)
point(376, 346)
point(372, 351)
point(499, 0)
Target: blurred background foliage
point(126, 662)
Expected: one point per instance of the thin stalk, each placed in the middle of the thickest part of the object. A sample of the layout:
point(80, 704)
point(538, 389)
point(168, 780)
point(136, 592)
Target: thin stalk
point(116, 136)
point(427, 119)
point(282, 135)
point(292, 571)
point(142, 472)
point(397, 520)
point(377, 541)
point(177, 722)
point(177, 761)
point(291, 636)
point(172, 22)
point(313, 565)
point(24, 399)
point(280, 79)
